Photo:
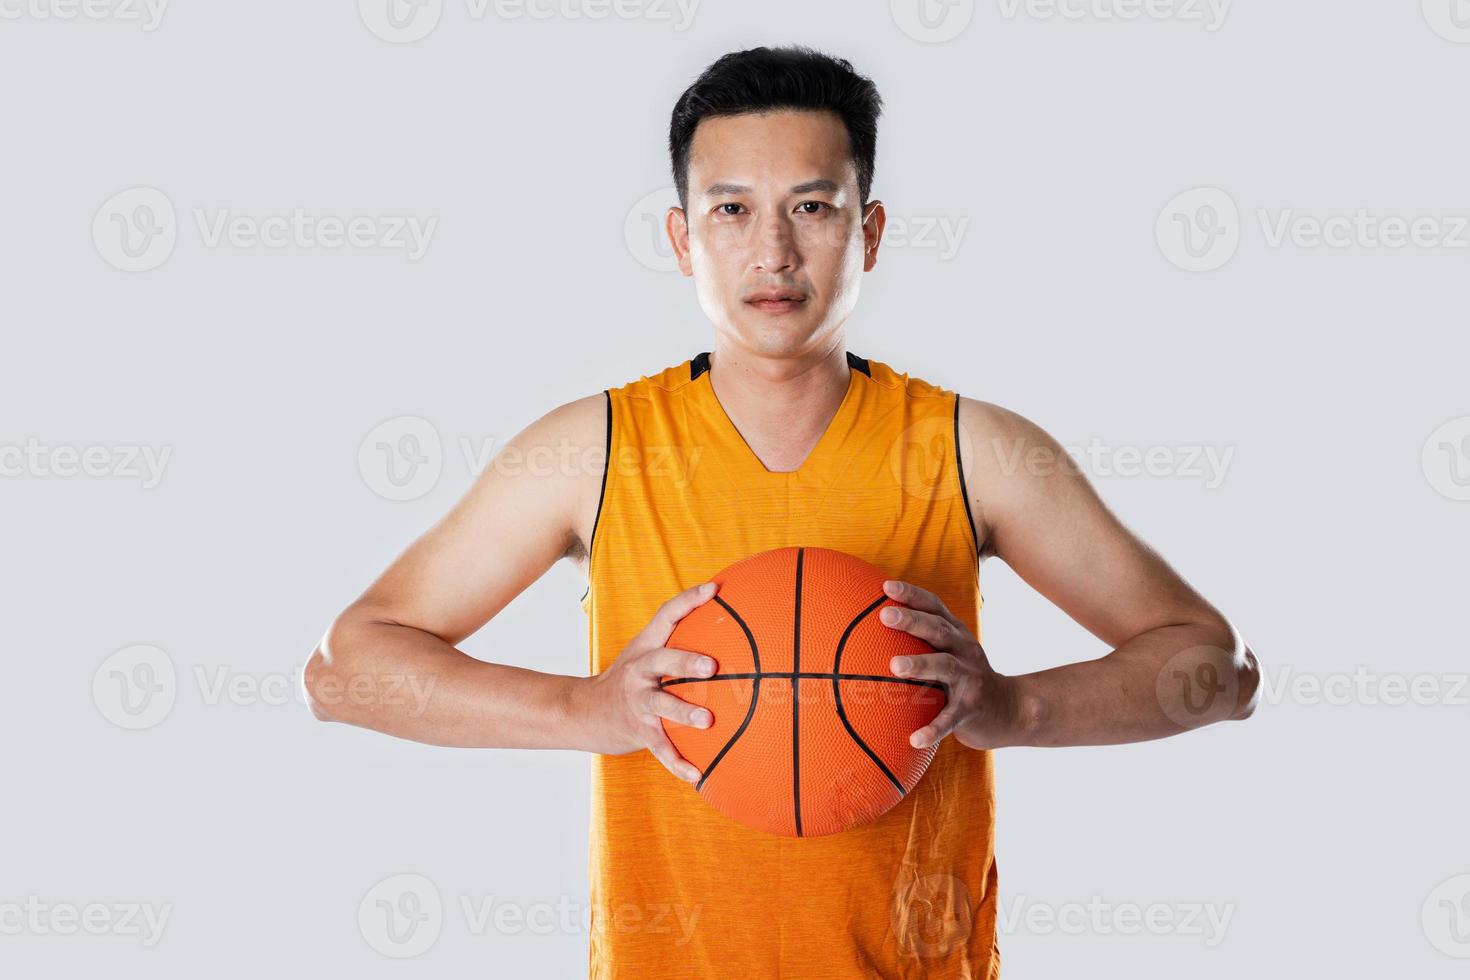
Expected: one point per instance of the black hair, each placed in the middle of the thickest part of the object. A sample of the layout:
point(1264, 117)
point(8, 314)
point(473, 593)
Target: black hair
point(771, 79)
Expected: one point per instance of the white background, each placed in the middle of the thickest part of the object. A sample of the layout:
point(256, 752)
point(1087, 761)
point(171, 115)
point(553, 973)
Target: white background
point(1050, 143)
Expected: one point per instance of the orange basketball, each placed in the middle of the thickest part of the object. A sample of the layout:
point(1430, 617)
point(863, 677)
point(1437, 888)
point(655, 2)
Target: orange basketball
point(811, 726)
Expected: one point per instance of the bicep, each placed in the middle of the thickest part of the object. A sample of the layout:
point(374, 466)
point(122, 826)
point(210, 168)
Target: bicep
point(1045, 520)
point(512, 525)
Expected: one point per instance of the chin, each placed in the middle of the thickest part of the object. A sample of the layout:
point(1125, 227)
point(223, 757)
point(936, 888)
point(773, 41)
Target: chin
point(782, 337)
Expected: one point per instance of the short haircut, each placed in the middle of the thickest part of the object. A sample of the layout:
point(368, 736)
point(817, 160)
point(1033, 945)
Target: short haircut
point(772, 79)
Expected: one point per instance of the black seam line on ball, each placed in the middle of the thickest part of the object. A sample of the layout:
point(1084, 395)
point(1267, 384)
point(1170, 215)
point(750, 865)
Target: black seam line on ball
point(837, 694)
point(755, 655)
point(795, 699)
point(812, 674)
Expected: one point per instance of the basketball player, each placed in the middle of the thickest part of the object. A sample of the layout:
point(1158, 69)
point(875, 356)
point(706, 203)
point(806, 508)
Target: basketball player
point(778, 435)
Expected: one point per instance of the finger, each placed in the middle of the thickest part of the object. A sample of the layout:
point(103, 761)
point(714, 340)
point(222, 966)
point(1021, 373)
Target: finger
point(918, 598)
point(675, 609)
point(671, 662)
point(941, 666)
point(663, 750)
point(943, 724)
point(665, 705)
point(935, 630)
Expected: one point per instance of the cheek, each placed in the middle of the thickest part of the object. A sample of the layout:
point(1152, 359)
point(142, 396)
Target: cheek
point(717, 244)
point(837, 265)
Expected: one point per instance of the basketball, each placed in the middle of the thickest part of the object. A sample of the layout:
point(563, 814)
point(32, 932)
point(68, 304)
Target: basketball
point(811, 728)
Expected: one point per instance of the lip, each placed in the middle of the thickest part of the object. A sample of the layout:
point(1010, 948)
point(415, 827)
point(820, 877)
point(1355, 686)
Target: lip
point(775, 300)
point(775, 305)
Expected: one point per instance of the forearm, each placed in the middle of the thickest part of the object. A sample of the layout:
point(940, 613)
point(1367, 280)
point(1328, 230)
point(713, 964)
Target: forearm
point(1160, 683)
point(411, 684)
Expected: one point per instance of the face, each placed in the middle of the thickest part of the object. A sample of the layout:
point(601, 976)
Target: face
point(775, 236)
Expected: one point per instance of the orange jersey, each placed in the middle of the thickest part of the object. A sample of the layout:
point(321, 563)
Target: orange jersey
point(679, 889)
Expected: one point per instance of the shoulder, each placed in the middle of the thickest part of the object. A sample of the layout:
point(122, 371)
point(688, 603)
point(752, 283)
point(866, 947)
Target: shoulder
point(1009, 462)
point(582, 421)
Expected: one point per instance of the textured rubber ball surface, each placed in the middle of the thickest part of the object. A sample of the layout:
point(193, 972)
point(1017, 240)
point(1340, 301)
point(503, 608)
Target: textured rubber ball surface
point(811, 727)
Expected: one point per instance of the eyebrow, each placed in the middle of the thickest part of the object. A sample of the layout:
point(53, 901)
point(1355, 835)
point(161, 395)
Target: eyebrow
point(819, 184)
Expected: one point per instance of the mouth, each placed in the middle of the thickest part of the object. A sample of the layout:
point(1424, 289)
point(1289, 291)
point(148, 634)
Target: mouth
point(776, 301)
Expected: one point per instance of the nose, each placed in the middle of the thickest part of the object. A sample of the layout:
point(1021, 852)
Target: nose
point(775, 245)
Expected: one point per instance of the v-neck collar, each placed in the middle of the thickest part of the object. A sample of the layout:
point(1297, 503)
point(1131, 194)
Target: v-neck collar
point(820, 456)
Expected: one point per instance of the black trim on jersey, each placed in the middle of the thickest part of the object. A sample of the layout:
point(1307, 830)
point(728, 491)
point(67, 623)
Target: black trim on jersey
point(607, 455)
point(699, 363)
point(959, 468)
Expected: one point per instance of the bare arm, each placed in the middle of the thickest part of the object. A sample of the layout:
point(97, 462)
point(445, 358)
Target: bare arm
point(389, 661)
point(1177, 663)
point(1048, 523)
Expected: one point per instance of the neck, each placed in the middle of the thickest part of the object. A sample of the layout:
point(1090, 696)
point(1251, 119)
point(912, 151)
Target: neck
point(780, 405)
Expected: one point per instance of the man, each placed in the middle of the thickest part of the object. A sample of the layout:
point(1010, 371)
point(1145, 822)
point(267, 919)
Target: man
point(779, 436)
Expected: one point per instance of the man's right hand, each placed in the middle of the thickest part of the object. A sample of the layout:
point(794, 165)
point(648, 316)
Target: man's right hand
point(624, 703)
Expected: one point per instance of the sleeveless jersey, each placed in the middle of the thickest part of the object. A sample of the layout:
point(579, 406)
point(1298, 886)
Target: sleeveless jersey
point(677, 888)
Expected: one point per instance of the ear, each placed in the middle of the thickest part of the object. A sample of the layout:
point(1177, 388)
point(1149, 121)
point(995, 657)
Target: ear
point(676, 226)
point(874, 219)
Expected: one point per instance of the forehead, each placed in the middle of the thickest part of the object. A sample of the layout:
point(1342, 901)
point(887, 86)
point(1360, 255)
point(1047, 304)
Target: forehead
point(784, 146)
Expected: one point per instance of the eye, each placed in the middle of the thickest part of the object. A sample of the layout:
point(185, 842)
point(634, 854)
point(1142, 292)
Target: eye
point(720, 208)
point(820, 205)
